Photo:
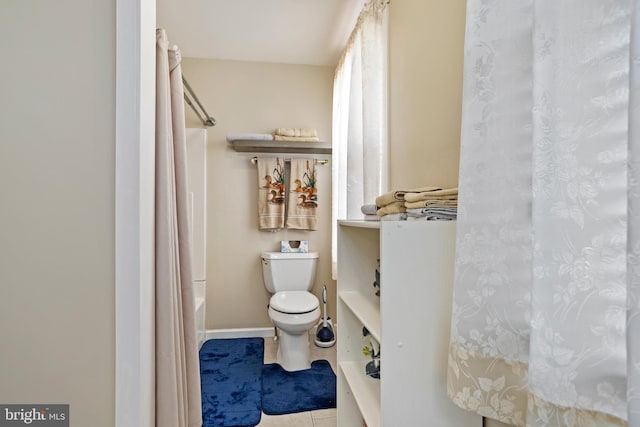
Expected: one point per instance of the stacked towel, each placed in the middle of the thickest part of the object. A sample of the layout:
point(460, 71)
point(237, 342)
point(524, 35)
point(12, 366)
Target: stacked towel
point(391, 208)
point(393, 202)
point(444, 214)
point(434, 205)
point(296, 134)
point(399, 195)
point(431, 203)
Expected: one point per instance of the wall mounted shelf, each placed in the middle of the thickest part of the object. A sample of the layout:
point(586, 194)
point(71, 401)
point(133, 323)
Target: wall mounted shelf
point(299, 147)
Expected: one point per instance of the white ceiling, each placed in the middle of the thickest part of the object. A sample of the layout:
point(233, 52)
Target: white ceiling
point(310, 32)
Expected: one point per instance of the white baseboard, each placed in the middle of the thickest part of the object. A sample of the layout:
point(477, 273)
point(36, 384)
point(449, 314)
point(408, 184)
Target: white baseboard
point(250, 332)
point(239, 333)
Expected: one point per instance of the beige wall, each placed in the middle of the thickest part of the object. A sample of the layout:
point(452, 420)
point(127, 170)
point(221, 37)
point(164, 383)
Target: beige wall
point(254, 97)
point(425, 88)
point(57, 206)
point(425, 93)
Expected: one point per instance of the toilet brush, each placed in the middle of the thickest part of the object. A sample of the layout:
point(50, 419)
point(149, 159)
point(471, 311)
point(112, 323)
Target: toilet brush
point(325, 336)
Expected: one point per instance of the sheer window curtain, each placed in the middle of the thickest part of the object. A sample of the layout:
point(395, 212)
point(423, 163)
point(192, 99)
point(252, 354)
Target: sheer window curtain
point(178, 401)
point(360, 132)
point(546, 324)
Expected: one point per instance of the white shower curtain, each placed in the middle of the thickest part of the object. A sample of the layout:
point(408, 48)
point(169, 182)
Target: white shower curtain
point(178, 401)
point(359, 131)
point(546, 314)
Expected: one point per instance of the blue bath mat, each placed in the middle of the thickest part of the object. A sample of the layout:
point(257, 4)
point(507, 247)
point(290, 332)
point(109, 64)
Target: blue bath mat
point(288, 392)
point(231, 377)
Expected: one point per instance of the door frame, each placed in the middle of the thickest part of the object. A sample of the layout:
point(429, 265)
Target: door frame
point(135, 213)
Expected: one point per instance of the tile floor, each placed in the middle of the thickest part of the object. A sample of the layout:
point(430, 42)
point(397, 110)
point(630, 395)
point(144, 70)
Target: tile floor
point(322, 418)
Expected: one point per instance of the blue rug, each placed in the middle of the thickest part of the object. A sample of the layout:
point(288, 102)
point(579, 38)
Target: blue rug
point(288, 392)
point(231, 377)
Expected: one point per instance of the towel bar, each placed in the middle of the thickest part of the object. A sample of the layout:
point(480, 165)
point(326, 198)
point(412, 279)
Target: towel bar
point(322, 162)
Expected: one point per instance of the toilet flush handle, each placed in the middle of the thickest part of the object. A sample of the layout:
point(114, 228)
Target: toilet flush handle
point(264, 261)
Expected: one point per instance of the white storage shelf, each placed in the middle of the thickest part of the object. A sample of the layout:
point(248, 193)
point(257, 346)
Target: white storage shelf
point(367, 312)
point(410, 319)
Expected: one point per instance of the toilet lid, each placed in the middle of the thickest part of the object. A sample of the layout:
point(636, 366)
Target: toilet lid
point(294, 302)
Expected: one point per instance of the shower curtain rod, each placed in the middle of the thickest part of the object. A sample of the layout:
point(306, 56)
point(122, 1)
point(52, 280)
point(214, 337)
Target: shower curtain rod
point(206, 120)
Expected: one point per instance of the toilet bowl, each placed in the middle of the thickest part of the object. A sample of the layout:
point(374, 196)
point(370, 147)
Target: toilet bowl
point(292, 308)
point(294, 313)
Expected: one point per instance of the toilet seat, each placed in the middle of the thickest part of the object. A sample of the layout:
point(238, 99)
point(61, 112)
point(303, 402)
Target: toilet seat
point(294, 302)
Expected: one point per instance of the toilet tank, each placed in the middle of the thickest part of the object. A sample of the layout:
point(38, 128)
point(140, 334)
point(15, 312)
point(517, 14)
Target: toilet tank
point(289, 271)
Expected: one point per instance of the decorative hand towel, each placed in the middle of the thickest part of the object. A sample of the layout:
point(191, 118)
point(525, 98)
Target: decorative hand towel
point(304, 132)
point(271, 192)
point(399, 195)
point(303, 196)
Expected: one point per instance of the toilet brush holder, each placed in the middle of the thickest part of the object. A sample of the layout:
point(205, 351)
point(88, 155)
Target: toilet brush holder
point(324, 334)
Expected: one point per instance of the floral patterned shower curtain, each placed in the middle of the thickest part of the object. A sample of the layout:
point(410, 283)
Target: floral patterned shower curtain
point(546, 324)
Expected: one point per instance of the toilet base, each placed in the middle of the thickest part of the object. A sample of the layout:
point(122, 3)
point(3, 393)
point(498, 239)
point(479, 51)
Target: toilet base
point(293, 351)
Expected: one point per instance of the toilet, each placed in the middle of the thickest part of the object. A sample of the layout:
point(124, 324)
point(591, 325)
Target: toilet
point(292, 308)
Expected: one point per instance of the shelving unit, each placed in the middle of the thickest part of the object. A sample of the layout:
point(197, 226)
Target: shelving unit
point(299, 147)
point(410, 320)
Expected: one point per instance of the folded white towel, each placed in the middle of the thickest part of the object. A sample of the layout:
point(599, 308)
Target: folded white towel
point(296, 138)
point(441, 214)
point(431, 218)
point(371, 218)
point(427, 211)
point(249, 137)
point(370, 209)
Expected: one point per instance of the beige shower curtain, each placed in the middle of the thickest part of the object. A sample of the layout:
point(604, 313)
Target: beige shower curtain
point(177, 365)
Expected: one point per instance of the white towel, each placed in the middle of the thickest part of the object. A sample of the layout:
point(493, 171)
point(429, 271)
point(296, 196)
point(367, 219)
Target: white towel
point(370, 209)
point(432, 214)
point(249, 137)
point(296, 138)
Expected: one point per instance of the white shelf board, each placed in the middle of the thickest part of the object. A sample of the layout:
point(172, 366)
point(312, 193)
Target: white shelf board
point(365, 310)
point(365, 390)
point(359, 223)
